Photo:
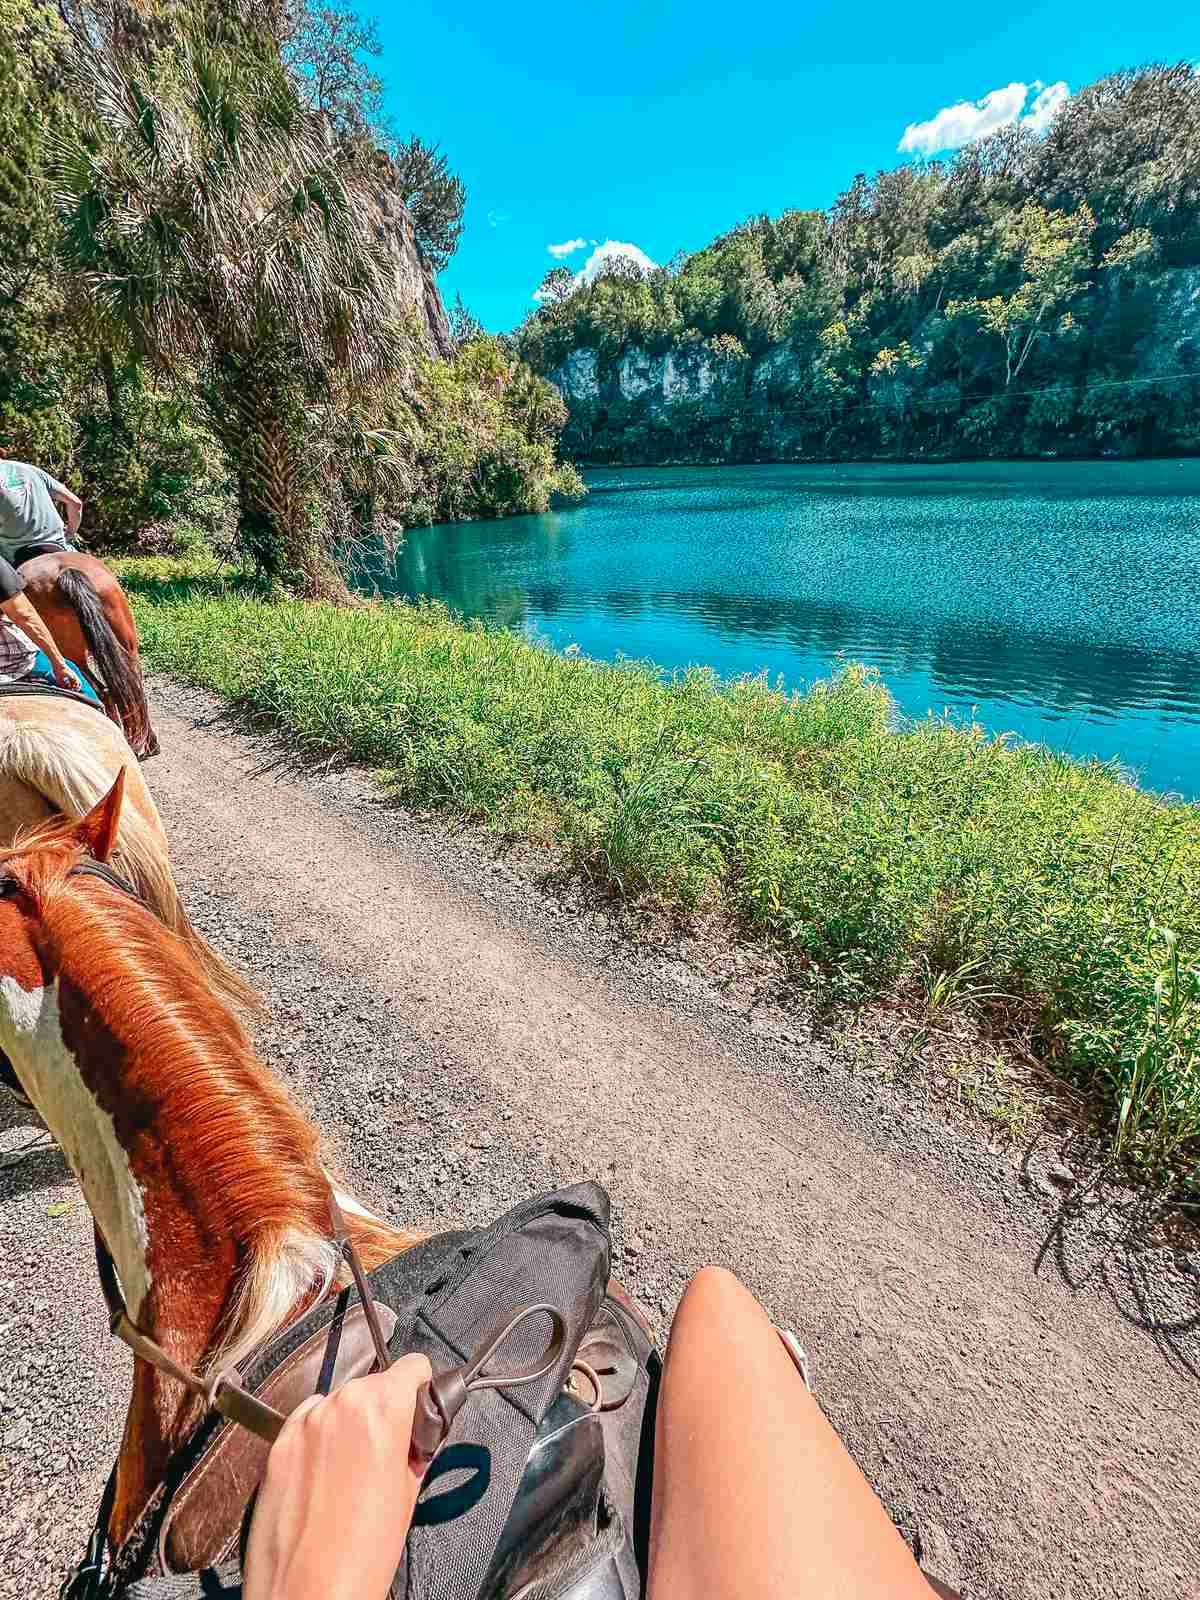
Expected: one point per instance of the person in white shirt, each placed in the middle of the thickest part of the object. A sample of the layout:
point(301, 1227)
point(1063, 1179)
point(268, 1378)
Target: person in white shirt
point(31, 522)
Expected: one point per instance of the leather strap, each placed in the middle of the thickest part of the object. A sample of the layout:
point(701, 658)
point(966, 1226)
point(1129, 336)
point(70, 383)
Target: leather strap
point(441, 1399)
point(222, 1392)
point(350, 1256)
point(88, 1577)
point(90, 868)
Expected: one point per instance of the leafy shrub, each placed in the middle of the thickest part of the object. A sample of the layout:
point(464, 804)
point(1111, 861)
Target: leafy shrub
point(153, 478)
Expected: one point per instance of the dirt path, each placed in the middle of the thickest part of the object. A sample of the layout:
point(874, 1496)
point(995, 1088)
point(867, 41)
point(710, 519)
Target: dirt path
point(1021, 1388)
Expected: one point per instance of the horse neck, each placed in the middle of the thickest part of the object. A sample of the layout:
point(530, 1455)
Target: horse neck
point(205, 1180)
point(194, 1314)
point(215, 1287)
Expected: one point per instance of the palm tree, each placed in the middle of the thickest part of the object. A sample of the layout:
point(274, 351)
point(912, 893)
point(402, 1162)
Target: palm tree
point(214, 221)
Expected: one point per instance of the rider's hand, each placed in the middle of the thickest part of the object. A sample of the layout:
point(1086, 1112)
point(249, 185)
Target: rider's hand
point(65, 678)
point(338, 1497)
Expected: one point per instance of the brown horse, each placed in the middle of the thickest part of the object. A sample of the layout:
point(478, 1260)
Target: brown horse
point(82, 604)
point(205, 1181)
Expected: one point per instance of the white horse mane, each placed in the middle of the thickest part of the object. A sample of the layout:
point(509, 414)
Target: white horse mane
point(72, 776)
point(298, 1265)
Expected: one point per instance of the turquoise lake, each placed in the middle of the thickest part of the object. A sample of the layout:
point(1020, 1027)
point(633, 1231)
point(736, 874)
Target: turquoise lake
point(1055, 602)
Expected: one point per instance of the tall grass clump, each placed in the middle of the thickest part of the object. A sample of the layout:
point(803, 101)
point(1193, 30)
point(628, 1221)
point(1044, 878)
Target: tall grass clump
point(866, 851)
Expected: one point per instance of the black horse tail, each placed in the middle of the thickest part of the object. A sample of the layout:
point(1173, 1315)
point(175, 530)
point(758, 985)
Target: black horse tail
point(119, 672)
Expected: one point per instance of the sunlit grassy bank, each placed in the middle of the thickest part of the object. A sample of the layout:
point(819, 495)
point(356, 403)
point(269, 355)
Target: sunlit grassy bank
point(929, 858)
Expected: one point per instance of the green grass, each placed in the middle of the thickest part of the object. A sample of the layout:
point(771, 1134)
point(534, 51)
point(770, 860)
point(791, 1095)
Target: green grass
point(928, 859)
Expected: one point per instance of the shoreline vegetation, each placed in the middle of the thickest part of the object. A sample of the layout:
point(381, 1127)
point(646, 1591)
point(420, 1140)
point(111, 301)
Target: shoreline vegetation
point(919, 862)
point(1036, 295)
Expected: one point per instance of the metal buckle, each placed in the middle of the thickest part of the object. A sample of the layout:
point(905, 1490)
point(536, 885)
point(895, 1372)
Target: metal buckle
point(609, 1360)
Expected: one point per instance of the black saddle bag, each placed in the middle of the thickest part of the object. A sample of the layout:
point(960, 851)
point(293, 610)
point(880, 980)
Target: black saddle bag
point(540, 1491)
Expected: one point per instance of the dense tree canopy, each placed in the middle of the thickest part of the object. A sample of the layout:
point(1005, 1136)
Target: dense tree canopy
point(202, 307)
point(999, 302)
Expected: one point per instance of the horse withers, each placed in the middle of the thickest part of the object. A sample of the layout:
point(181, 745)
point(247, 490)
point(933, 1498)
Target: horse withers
point(85, 609)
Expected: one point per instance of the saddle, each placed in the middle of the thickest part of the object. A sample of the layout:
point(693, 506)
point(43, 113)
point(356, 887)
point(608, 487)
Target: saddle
point(541, 1488)
point(28, 686)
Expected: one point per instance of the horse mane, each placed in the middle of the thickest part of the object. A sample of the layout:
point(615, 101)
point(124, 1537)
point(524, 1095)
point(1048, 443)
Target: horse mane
point(235, 1129)
point(72, 776)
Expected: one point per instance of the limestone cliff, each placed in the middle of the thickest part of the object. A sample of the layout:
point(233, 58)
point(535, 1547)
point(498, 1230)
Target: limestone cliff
point(703, 401)
point(415, 283)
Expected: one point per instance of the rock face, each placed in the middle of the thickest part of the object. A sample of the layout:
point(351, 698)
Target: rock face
point(618, 407)
point(415, 283)
point(1175, 338)
point(697, 402)
point(689, 403)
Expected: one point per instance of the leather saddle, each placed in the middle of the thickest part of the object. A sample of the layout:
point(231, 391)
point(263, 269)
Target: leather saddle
point(28, 686)
point(542, 1489)
point(541, 1492)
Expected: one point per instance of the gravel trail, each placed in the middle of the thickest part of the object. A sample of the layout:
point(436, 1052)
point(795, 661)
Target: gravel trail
point(1017, 1377)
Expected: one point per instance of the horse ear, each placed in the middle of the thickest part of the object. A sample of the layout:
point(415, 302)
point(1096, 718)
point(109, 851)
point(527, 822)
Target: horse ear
point(97, 832)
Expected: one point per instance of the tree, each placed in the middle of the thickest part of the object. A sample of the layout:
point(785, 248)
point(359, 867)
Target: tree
point(1134, 251)
point(556, 286)
point(892, 371)
point(434, 196)
point(1125, 146)
point(463, 326)
point(1052, 250)
point(324, 49)
point(31, 109)
point(39, 368)
point(208, 217)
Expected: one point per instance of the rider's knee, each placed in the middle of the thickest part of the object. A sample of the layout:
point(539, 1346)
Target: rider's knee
point(715, 1292)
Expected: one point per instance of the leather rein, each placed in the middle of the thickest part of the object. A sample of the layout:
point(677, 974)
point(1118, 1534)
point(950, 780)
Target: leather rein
point(223, 1391)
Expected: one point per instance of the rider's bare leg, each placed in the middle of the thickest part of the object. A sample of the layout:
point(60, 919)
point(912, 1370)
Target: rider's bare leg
point(754, 1493)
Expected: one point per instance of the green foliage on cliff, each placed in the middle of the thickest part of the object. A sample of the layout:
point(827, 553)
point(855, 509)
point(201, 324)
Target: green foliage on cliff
point(213, 317)
point(1031, 296)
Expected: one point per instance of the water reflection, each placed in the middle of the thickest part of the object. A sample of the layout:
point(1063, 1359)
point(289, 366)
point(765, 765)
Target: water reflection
point(1058, 601)
point(963, 661)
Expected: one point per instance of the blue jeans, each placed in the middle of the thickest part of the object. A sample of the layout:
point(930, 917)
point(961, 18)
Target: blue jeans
point(43, 672)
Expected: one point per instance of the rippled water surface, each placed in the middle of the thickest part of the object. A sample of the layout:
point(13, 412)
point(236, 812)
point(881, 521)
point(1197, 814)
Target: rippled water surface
point(1058, 601)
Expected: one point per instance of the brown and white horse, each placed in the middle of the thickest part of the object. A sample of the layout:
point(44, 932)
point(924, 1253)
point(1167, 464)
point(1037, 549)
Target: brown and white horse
point(85, 608)
point(205, 1181)
point(58, 758)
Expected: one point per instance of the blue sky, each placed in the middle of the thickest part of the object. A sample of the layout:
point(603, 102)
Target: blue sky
point(662, 124)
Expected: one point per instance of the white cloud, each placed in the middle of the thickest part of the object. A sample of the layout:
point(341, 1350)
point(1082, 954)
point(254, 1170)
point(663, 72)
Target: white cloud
point(568, 247)
point(1048, 102)
point(497, 219)
point(964, 123)
point(613, 250)
point(602, 257)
